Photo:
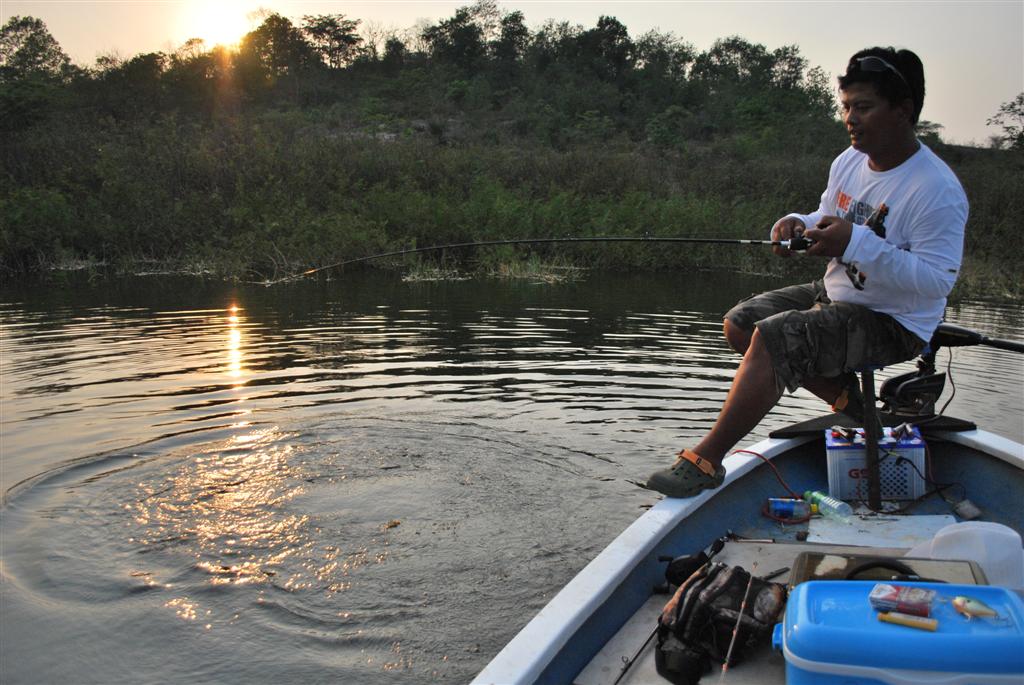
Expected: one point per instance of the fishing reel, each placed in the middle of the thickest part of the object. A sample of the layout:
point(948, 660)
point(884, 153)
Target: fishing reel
point(799, 243)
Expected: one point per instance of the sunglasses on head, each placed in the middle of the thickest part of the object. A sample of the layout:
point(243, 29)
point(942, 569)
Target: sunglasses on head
point(878, 65)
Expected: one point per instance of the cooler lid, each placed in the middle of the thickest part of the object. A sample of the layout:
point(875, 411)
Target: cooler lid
point(832, 622)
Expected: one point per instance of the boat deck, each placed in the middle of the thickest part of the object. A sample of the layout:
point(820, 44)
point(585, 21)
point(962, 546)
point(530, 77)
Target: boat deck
point(628, 658)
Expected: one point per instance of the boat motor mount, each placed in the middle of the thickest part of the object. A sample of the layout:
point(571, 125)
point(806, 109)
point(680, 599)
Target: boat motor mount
point(913, 395)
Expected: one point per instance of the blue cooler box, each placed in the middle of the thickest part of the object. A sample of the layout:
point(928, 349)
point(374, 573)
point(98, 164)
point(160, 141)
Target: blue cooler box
point(831, 635)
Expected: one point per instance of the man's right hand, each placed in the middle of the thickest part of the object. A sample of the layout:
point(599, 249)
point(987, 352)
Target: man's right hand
point(786, 228)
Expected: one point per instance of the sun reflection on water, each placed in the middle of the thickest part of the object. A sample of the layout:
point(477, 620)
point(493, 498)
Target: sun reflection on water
point(184, 608)
point(231, 518)
point(228, 508)
point(235, 365)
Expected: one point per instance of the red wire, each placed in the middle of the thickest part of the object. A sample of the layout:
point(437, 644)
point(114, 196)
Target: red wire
point(764, 509)
point(777, 474)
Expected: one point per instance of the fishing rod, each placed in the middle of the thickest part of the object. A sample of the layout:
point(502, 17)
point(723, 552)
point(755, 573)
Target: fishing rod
point(798, 243)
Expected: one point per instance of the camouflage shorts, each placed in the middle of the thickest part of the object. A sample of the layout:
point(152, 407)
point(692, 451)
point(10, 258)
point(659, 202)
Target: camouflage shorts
point(808, 335)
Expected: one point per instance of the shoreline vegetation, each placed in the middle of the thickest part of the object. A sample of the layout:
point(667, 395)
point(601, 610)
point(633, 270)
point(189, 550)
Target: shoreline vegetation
point(313, 143)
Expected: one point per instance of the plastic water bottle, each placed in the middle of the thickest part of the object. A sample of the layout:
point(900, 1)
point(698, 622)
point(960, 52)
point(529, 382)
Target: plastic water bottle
point(830, 506)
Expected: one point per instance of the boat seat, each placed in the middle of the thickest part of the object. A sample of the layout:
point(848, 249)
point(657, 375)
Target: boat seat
point(909, 397)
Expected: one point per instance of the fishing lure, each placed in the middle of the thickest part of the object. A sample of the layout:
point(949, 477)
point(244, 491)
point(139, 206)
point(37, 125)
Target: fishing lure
point(970, 607)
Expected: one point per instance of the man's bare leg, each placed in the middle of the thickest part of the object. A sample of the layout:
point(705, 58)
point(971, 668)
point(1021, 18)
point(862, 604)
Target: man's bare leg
point(827, 389)
point(751, 397)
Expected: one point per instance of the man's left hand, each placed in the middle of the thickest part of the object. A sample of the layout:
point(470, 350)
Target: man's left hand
point(830, 236)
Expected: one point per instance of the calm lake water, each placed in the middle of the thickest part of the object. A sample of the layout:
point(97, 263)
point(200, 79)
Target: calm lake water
point(360, 481)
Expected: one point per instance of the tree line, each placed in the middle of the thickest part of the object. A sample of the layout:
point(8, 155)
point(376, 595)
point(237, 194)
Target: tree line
point(478, 60)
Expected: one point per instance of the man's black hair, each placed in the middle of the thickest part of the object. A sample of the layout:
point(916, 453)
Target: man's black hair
point(889, 84)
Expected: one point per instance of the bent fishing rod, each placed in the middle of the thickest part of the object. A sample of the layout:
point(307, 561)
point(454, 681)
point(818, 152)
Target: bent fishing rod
point(799, 243)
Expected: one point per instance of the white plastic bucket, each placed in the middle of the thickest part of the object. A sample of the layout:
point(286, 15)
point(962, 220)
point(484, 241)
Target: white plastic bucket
point(995, 547)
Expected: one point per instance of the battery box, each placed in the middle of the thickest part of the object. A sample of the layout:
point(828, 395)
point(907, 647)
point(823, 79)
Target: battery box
point(901, 478)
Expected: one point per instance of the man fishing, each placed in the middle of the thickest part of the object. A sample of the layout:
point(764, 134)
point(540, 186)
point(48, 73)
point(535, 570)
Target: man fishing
point(891, 221)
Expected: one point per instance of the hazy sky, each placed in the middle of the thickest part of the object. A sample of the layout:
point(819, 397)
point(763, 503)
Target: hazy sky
point(973, 52)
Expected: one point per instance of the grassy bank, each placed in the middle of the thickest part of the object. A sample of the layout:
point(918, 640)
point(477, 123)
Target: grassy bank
point(291, 190)
point(264, 196)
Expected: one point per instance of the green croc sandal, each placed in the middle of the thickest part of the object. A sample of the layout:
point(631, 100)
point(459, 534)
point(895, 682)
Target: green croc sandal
point(688, 477)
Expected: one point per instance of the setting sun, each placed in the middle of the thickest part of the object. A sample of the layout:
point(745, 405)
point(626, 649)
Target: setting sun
point(217, 23)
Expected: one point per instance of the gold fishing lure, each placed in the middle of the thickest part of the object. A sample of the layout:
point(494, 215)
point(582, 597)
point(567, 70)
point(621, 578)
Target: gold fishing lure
point(970, 607)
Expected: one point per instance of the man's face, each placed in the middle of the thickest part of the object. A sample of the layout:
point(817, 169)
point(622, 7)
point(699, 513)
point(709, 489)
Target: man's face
point(873, 123)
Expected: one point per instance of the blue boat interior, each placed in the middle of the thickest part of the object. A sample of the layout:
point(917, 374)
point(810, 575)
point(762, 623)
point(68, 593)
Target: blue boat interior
point(994, 486)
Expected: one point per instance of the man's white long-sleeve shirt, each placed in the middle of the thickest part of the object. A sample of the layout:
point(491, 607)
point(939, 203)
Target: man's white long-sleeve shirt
point(909, 273)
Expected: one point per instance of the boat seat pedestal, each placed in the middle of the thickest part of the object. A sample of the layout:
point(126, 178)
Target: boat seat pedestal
point(872, 434)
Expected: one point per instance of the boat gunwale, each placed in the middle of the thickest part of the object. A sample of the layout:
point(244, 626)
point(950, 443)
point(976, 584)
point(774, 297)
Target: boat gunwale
point(522, 661)
point(991, 444)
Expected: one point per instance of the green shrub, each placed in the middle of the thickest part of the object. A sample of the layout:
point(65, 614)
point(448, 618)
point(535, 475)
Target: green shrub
point(37, 225)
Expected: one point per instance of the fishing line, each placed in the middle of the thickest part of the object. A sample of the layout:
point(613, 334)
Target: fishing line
point(798, 243)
